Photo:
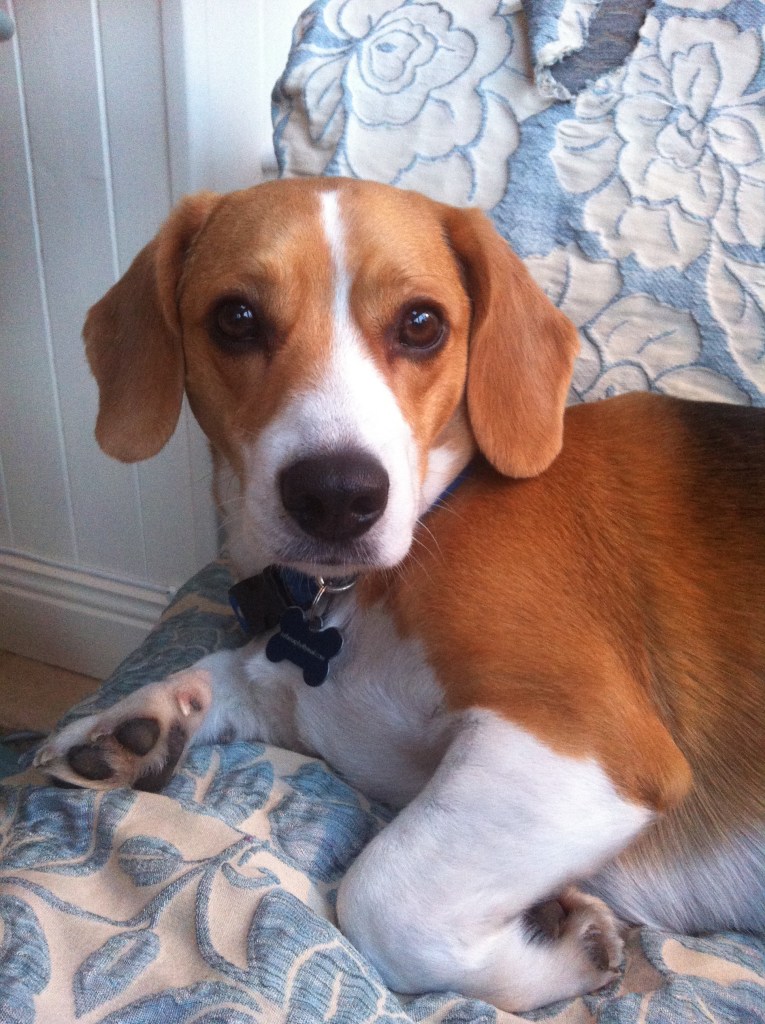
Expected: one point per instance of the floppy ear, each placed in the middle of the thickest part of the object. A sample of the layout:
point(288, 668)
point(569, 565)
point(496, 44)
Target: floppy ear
point(133, 341)
point(521, 355)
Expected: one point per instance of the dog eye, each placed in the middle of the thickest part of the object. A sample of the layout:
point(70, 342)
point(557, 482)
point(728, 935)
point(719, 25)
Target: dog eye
point(235, 326)
point(421, 328)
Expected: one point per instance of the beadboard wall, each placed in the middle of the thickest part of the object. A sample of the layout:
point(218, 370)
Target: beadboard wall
point(110, 112)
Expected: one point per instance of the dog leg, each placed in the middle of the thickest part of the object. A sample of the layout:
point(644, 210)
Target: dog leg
point(142, 739)
point(441, 898)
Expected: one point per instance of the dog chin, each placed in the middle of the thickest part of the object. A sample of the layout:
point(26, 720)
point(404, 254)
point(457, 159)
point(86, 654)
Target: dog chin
point(338, 562)
point(250, 555)
point(330, 568)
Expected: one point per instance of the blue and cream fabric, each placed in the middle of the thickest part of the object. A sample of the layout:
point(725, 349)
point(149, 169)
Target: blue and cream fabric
point(634, 190)
point(213, 901)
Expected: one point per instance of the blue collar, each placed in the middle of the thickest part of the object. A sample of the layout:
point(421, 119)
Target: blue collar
point(301, 588)
point(459, 479)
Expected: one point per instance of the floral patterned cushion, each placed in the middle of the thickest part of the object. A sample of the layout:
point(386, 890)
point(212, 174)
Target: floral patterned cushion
point(635, 194)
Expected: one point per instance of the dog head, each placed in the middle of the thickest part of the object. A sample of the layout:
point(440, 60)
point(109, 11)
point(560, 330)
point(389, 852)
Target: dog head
point(346, 347)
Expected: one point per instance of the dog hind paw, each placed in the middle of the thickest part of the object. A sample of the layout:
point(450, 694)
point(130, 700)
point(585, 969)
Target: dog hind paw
point(593, 926)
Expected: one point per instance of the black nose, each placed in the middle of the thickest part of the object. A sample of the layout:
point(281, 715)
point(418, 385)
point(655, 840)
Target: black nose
point(335, 497)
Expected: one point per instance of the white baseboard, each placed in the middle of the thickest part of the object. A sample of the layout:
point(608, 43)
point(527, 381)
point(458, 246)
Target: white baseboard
point(79, 620)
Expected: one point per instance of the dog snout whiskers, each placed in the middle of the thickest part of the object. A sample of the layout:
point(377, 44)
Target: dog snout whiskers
point(337, 496)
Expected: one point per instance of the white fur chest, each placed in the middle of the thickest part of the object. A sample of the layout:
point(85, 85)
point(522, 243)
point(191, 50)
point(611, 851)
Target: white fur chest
point(379, 718)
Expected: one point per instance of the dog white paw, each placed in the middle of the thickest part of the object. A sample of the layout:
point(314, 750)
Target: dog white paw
point(137, 743)
point(580, 945)
point(592, 927)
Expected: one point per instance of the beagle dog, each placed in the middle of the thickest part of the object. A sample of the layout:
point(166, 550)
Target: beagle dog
point(539, 632)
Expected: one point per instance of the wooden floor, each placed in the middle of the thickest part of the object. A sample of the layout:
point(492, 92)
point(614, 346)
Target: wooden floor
point(34, 695)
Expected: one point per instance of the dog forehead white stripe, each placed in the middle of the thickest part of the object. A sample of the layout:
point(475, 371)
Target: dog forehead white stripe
point(333, 231)
point(357, 399)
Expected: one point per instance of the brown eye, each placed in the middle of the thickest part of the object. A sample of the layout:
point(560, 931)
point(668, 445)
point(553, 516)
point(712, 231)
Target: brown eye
point(421, 328)
point(236, 327)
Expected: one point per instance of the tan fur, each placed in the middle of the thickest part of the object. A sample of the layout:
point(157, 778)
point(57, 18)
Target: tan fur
point(133, 342)
point(522, 352)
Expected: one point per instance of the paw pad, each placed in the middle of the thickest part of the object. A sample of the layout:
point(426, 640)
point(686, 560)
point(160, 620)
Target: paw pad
point(87, 760)
point(138, 735)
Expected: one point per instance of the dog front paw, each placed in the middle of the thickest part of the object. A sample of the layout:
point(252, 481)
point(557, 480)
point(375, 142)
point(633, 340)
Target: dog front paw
point(137, 743)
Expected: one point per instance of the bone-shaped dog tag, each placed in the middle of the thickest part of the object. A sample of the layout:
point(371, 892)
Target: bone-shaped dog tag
point(305, 644)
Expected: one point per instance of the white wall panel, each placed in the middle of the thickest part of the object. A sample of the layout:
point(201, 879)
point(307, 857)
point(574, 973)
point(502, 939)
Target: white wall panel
point(221, 62)
point(133, 81)
point(63, 97)
point(35, 512)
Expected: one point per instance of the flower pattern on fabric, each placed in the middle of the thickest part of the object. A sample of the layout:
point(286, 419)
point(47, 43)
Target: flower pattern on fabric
point(414, 94)
point(736, 289)
point(657, 167)
point(670, 154)
point(685, 145)
point(629, 342)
